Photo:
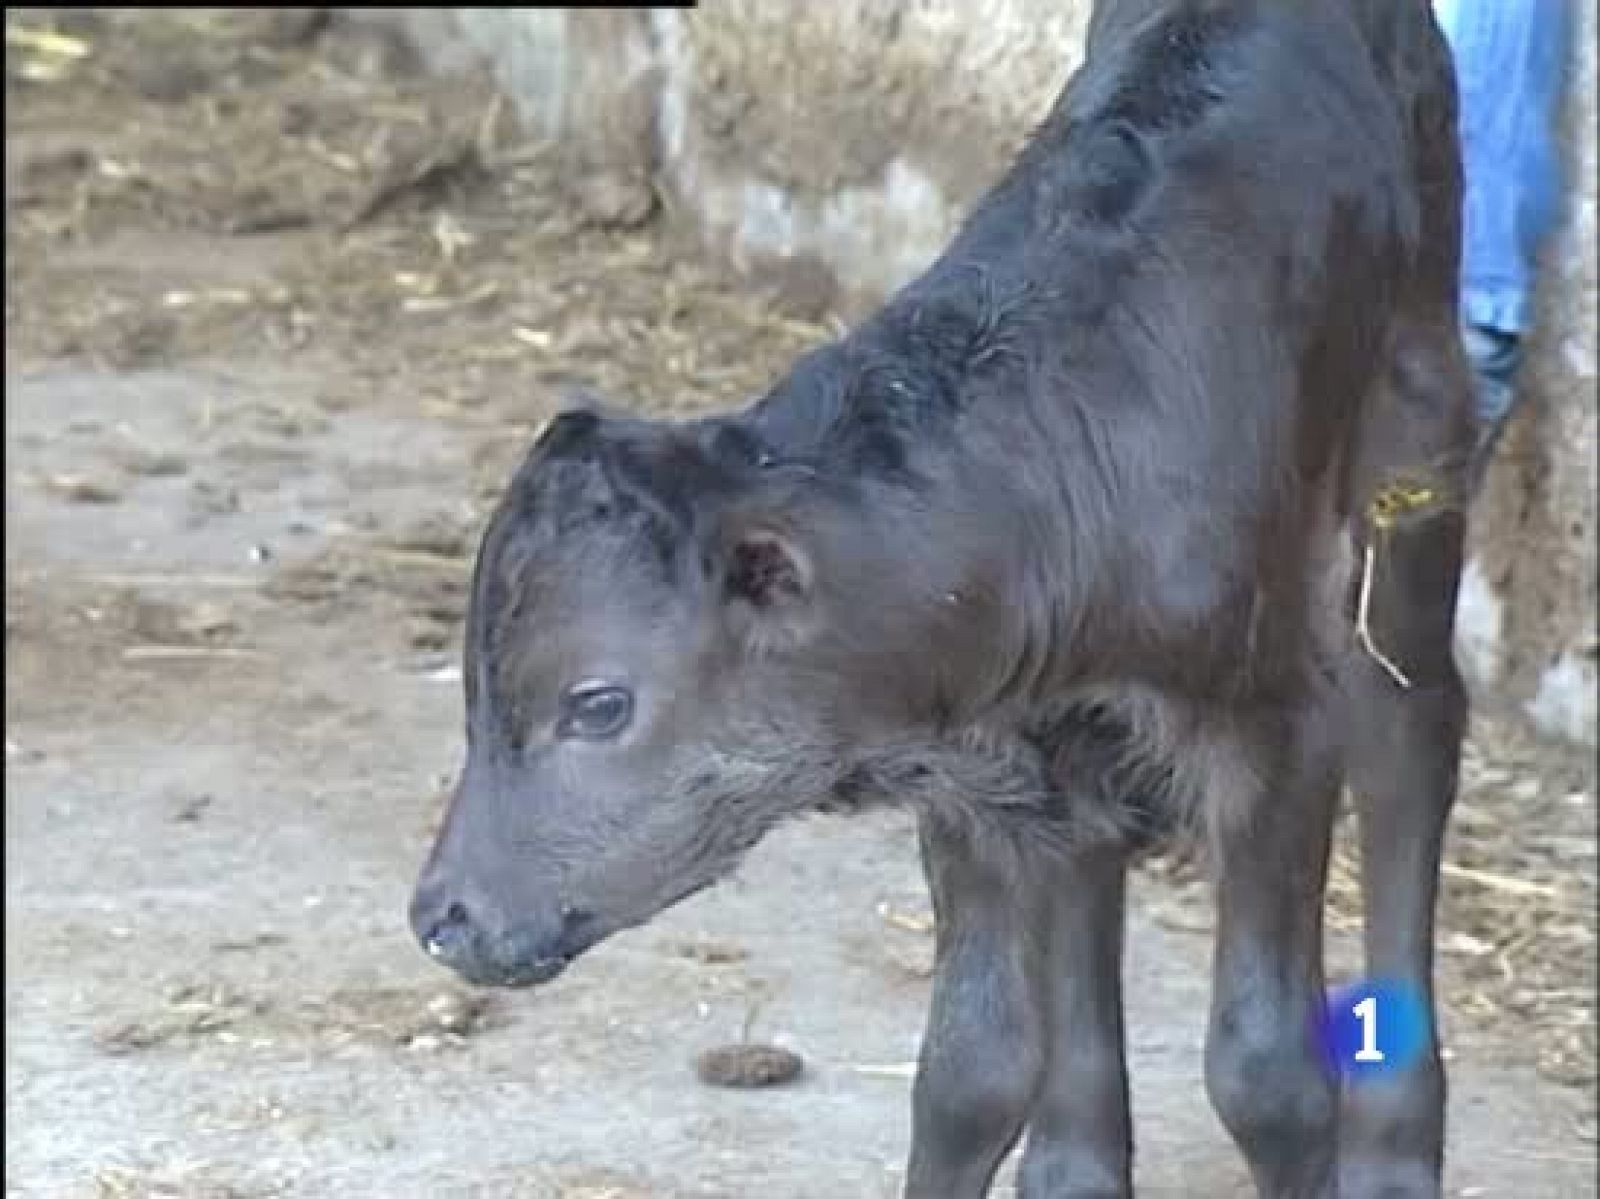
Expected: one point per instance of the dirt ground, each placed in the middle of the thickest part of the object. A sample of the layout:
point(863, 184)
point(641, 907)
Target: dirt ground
point(280, 316)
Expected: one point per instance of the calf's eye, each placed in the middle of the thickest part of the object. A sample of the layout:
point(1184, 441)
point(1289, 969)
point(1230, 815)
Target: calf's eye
point(594, 712)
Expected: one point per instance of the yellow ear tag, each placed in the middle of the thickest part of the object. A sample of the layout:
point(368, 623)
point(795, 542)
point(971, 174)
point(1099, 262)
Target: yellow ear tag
point(1391, 504)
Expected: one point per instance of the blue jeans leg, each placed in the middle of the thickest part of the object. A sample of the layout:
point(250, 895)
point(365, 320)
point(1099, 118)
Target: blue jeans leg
point(1511, 59)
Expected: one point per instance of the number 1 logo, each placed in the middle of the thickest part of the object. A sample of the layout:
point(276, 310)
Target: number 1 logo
point(1374, 1027)
point(1367, 1012)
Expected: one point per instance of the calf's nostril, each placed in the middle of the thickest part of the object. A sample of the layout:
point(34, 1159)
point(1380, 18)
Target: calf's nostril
point(574, 934)
point(448, 932)
point(574, 921)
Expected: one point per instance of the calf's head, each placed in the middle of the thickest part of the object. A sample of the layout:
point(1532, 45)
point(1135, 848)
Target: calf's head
point(649, 688)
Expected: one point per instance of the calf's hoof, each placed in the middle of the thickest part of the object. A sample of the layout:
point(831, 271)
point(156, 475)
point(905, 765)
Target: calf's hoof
point(1388, 1180)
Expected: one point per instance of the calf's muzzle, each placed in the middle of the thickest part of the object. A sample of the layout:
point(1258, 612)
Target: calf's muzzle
point(465, 934)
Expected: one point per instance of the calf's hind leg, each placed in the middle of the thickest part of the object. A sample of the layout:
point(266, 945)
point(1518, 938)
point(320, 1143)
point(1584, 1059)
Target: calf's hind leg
point(983, 1050)
point(1405, 752)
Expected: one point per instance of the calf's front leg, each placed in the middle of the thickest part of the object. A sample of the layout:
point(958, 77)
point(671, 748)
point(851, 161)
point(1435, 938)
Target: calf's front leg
point(1264, 1072)
point(1080, 1143)
point(983, 1051)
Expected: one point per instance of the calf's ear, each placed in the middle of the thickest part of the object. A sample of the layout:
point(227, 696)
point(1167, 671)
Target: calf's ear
point(764, 568)
point(565, 431)
point(764, 578)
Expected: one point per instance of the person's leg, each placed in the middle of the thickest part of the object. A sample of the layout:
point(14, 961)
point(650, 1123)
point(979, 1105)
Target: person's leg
point(1511, 60)
point(1496, 358)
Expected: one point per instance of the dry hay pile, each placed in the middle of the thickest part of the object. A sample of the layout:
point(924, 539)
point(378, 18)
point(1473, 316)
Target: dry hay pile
point(413, 232)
